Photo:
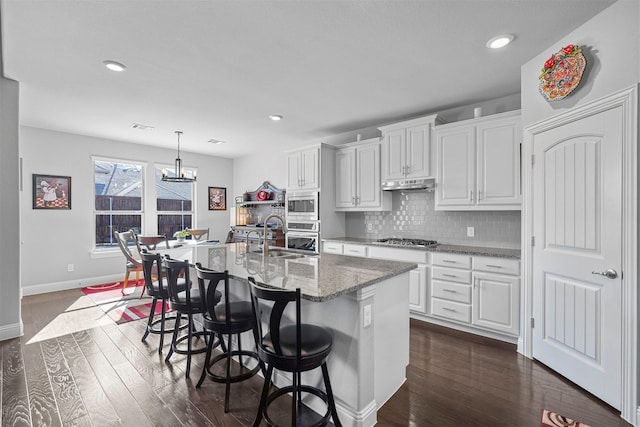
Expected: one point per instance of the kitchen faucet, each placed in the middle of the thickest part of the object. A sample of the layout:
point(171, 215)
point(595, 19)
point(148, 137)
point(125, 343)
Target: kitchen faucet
point(247, 237)
point(265, 246)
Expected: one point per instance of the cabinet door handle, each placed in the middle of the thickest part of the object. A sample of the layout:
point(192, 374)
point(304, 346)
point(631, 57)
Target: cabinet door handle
point(479, 194)
point(449, 261)
point(494, 266)
point(471, 195)
point(450, 290)
point(449, 275)
point(448, 309)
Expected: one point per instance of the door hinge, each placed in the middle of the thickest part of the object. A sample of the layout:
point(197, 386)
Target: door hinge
point(533, 323)
point(533, 159)
point(533, 240)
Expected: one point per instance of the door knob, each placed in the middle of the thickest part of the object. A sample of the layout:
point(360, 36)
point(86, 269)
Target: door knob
point(609, 274)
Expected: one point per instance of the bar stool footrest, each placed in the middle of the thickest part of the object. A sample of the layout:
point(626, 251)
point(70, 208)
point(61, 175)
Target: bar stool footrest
point(233, 378)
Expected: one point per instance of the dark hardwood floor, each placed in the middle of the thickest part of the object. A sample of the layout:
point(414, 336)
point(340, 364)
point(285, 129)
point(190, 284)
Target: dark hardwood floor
point(74, 367)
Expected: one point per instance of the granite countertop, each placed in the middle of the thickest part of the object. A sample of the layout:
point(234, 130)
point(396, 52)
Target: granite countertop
point(320, 277)
point(455, 249)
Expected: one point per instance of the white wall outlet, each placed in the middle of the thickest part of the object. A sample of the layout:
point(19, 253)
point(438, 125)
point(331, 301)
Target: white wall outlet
point(366, 315)
point(369, 227)
point(69, 267)
point(471, 232)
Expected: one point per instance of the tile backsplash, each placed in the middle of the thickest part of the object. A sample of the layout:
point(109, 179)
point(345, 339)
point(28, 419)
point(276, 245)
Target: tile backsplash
point(413, 216)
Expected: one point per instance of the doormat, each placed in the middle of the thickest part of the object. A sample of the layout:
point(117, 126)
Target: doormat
point(122, 308)
point(551, 419)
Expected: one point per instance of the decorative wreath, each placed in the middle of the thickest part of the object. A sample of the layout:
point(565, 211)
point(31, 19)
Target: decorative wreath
point(562, 73)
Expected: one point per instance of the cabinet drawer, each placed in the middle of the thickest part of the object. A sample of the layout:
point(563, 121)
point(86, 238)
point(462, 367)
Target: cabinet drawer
point(451, 310)
point(451, 275)
point(451, 260)
point(497, 265)
point(451, 291)
point(354, 250)
point(332, 247)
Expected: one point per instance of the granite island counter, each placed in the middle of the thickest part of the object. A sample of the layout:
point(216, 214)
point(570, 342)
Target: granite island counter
point(365, 302)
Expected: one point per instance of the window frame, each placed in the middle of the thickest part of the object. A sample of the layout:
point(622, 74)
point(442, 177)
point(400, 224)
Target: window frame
point(159, 167)
point(142, 212)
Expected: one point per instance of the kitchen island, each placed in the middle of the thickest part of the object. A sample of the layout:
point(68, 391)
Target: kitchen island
point(365, 302)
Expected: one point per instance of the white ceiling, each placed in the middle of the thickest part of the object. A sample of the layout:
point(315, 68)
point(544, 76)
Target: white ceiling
point(218, 69)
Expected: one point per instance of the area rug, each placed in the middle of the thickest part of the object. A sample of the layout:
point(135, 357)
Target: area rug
point(122, 308)
point(551, 419)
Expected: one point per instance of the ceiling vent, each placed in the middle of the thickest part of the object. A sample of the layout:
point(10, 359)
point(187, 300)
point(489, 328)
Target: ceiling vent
point(141, 127)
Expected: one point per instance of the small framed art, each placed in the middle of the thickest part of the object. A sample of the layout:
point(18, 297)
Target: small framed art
point(217, 199)
point(51, 192)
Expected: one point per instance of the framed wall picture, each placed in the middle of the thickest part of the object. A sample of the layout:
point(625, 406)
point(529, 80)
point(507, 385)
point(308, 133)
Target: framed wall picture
point(217, 199)
point(51, 192)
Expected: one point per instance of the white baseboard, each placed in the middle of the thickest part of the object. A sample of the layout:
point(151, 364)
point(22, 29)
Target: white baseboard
point(8, 332)
point(70, 284)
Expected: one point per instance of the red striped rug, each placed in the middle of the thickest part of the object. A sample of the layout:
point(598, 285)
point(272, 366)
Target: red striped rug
point(122, 308)
point(551, 419)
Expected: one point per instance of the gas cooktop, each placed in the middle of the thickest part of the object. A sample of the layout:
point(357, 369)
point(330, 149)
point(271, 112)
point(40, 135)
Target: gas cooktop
point(408, 242)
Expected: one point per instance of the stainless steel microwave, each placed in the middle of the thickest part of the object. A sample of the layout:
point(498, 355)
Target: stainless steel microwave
point(302, 206)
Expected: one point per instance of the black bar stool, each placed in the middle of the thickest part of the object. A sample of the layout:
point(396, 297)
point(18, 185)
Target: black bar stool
point(157, 289)
point(294, 348)
point(188, 301)
point(230, 318)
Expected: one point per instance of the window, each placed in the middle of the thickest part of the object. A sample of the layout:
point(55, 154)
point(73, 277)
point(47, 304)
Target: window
point(118, 188)
point(174, 203)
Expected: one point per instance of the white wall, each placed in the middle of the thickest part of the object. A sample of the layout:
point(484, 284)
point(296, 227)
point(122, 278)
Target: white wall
point(10, 322)
point(610, 44)
point(45, 232)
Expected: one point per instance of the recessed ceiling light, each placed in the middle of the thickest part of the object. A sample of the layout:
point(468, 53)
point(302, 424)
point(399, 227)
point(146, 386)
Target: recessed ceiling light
point(275, 117)
point(114, 66)
point(500, 41)
point(216, 141)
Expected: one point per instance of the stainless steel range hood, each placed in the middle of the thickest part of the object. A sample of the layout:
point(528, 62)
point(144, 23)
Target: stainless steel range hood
point(409, 184)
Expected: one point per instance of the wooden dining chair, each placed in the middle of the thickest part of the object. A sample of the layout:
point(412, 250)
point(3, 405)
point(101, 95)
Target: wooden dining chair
point(132, 263)
point(198, 234)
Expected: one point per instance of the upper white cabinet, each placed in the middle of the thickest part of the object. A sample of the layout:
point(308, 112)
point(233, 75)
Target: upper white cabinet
point(407, 150)
point(478, 163)
point(358, 183)
point(303, 169)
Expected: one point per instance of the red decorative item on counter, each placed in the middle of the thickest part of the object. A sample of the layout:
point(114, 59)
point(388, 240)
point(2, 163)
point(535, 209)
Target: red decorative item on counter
point(262, 195)
point(562, 73)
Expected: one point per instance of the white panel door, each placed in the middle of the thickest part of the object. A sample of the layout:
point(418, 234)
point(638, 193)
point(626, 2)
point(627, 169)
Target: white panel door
point(577, 196)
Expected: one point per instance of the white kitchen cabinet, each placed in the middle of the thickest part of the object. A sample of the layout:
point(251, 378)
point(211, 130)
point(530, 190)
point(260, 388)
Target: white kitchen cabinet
point(331, 247)
point(303, 169)
point(407, 149)
point(496, 302)
point(358, 183)
point(478, 163)
point(418, 289)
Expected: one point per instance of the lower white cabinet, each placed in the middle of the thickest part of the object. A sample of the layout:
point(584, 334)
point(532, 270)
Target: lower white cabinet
point(496, 301)
point(418, 289)
point(480, 291)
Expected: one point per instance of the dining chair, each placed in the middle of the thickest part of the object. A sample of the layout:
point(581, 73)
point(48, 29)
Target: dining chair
point(151, 242)
point(198, 234)
point(132, 263)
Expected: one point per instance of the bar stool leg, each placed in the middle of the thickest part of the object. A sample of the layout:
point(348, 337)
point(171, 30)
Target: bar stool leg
point(332, 403)
point(150, 321)
point(175, 336)
point(228, 382)
point(207, 360)
point(163, 317)
point(189, 339)
point(294, 400)
point(263, 397)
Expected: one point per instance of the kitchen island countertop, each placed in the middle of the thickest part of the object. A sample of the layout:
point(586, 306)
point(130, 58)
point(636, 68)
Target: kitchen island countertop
point(455, 249)
point(320, 277)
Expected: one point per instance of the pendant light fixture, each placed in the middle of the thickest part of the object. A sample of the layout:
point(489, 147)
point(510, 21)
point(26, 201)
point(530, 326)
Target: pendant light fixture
point(179, 175)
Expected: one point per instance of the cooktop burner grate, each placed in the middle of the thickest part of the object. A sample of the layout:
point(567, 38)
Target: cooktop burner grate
point(408, 242)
